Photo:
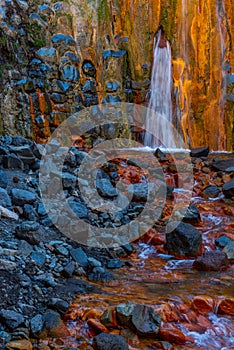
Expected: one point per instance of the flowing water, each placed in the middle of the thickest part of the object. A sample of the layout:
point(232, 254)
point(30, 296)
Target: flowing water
point(154, 278)
point(159, 115)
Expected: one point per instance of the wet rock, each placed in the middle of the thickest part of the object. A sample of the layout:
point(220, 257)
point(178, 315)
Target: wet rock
point(141, 192)
point(226, 306)
point(184, 240)
point(228, 189)
point(105, 341)
point(222, 241)
point(203, 304)
point(160, 155)
point(189, 215)
point(59, 305)
point(80, 257)
point(11, 318)
point(173, 335)
point(108, 318)
point(21, 197)
point(211, 191)
point(3, 179)
point(115, 264)
point(199, 152)
point(5, 199)
point(99, 274)
point(11, 161)
point(229, 250)
point(97, 325)
point(224, 164)
point(53, 326)
point(89, 69)
point(141, 319)
point(21, 344)
point(211, 261)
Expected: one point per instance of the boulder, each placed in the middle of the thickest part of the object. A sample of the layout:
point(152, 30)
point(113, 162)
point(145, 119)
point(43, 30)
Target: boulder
point(183, 240)
point(211, 261)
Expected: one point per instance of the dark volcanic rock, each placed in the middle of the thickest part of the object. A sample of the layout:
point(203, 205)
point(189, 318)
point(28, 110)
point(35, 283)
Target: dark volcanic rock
point(228, 189)
point(29, 231)
point(191, 214)
point(11, 318)
point(99, 274)
point(211, 191)
point(11, 161)
point(105, 341)
point(141, 319)
point(53, 326)
point(211, 261)
point(5, 199)
point(229, 250)
point(199, 152)
point(21, 197)
point(36, 324)
point(224, 164)
point(184, 240)
point(222, 241)
point(3, 179)
point(80, 257)
point(105, 187)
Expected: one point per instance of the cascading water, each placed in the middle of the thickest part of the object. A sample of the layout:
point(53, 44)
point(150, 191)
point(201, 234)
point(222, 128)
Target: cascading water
point(158, 125)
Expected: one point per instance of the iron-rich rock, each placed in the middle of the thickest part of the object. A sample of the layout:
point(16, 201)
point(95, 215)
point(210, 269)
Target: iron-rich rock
point(184, 240)
point(228, 189)
point(199, 152)
point(211, 261)
point(11, 318)
point(141, 319)
point(105, 341)
point(53, 326)
point(20, 344)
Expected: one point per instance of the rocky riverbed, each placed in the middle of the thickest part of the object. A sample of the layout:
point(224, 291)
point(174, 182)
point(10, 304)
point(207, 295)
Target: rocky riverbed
point(42, 271)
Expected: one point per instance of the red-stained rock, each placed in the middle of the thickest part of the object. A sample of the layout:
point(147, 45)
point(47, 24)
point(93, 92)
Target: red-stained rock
point(203, 304)
point(226, 306)
point(172, 334)
point(97, 326)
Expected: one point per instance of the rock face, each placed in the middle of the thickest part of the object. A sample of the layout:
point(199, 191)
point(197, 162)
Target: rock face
point(184, 240)
point(102, 51)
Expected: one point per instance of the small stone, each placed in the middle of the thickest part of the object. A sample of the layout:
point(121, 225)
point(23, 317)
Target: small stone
point(222, 241)
point(80, 257)
point(54, 326)
point(105, 341)
point(223, 164)
point(21, 197)
point(211, 191)
point(108, 318)
point(229, 250)
point(69, 269)
point(7, 265)
point(59, 305)
point(21, 344)
point(211, 261)
point(11, 161)
point(89, 69)
point(3, 179)
point(38, 258)
point(11, 318)
point(173, 335)
point(36, 324)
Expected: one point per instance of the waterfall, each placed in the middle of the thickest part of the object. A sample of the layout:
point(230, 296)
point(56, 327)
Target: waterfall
point(158, 124)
